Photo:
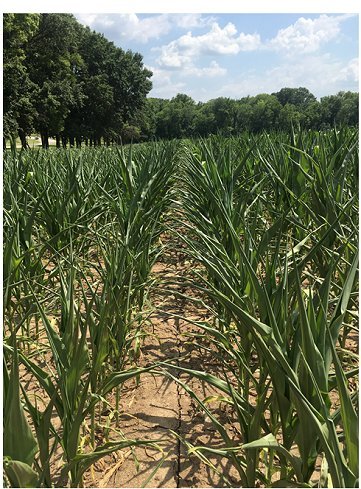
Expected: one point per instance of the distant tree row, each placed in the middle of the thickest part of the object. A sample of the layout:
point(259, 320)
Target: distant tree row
point(63, 80)
point(183, 117)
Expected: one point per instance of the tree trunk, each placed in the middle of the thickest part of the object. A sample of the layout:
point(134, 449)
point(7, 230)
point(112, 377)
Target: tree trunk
point(86, 141)
point(13, 143)
point(44, 139)
point(57, 137)
point(78, 142)
point(64, 141)
point(24, 144)
point(71, 141)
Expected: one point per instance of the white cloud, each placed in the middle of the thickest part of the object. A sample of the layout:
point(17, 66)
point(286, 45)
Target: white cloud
point(307, 35)
point(304, 36)
point(128, 26)
point(217, 41)
point(178, 65)
point(163, 85)
point(119, 27)
point(322, 75)
point(209, 71)
point(351, 71)
point(88, 19)
point(188, 21)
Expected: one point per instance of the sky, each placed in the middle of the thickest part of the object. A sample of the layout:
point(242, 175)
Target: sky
point(213, 48)
point(209, 55)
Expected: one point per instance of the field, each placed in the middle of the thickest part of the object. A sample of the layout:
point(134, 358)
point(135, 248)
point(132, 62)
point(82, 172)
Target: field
point(183, 313)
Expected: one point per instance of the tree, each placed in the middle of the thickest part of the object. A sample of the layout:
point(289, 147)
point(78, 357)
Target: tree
point(114, 85)
point(150, 114)
point(224, 114)
point(52, 59)
point(330, 107)
point(243, 116)
point(130, 82)
point(130, 133)
point(176, 117)
point(349, 110)
point(265, 112)
point(289, 116)
point(64, 80)
point(204, 121)
point(18, 90)
point(300, 97)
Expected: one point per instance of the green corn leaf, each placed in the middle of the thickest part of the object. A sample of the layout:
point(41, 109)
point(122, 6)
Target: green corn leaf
point(45, 380)
point(19, 441)
point(270, 441)
point(340, 473)
point(309, 347)
point(20, 474)
point(117, 378)
point(340, 310)
point(348, 414)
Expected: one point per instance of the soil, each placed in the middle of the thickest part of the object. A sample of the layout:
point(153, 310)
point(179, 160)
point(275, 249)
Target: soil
point(159, 409)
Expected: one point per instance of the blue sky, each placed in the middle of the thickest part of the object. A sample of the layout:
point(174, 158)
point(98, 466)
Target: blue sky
point(235, 55)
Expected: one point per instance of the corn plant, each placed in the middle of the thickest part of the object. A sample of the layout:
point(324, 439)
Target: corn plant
point(91, 223)
point(254, 276)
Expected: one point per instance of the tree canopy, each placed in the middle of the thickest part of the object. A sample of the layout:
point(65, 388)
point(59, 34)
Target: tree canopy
point(183, 117)
point(63, 80)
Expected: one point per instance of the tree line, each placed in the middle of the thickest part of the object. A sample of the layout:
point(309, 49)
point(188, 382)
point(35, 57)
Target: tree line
point(183, 117)
point(65, 81)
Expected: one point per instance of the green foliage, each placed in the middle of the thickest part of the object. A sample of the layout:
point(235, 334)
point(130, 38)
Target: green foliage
point(63, 80)
point(181, 117)
point(299, 97)
point(87, 313)
point(263, 217)
point(19, 441)
point(270, 223)
point(19, 89)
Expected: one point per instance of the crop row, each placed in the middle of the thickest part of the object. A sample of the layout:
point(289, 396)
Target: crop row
point(270, 224)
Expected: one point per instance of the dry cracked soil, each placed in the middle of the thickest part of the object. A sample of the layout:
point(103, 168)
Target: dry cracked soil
point(158, 408)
